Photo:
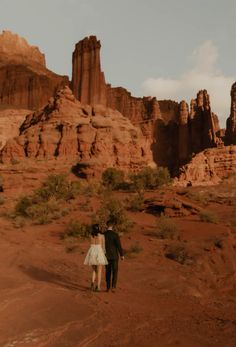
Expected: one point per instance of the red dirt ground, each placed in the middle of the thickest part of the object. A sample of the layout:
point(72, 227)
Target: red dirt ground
point(45, 299)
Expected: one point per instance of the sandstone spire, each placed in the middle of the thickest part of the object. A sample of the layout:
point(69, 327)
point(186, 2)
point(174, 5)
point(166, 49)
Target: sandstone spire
point(88, 81)
point(231, 121)
point(184, 146)
point(202, 122)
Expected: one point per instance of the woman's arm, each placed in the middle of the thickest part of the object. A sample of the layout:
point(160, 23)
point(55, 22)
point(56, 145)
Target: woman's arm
point(103, 244)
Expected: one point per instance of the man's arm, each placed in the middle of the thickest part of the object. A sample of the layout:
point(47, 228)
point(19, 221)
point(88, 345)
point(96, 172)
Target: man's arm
point(119, 247)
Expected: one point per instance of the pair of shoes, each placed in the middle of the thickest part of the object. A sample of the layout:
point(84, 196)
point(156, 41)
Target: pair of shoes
point(92, 287)
point(108, 289)
point(97, 289)
point(113, 290)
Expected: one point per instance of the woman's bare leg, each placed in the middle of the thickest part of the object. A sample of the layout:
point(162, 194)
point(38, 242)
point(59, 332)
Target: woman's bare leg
point(94, 272)
point(99, 273)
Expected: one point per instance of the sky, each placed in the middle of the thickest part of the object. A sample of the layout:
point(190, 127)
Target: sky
point(164, 48)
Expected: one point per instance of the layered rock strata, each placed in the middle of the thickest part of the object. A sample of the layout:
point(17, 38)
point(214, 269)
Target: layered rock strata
point(208, 167)
point(94, 137)
point(24, 79)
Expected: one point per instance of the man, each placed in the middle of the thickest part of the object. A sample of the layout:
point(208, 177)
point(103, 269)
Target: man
point(113, 250)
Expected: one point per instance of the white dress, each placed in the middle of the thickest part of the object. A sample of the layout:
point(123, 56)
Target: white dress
point(96, 255)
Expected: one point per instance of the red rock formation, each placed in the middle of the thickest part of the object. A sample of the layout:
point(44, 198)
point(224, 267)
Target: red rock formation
point(184, 134)
point(208, 167)
point(202, 123)
point(95, 137)
point(88, 81)
point(10, 122)
point(24, 79)
point(175, 134)
point(230, 135)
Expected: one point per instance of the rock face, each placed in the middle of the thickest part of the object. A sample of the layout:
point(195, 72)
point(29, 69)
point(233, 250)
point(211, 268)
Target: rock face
point(175, 133)
point(202, 123)
point(94, 137)
point(10, 122)
point(208, 167)
point(230, 136)
point(24, 79)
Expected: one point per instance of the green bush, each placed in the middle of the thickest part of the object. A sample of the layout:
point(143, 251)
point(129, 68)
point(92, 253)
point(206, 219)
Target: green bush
point(22, 205)
point(136, 203)
point(77, 229)
point(166, 229)
point(149, 178)
point(208, 217)
point(57, 186)
point(112, 178)
point(112, 210)
point(44, 203)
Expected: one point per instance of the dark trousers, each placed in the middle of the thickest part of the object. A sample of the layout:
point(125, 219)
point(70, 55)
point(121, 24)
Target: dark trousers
point(111, 273)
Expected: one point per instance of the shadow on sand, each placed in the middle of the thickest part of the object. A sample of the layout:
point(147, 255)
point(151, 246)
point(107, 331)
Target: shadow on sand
point(43, 275)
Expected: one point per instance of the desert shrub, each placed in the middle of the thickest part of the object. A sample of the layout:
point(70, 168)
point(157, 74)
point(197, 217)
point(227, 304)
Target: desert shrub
point(178, 253)
point(136, 203)
point(201, 197)
point(45, 203)
point(208, 217)
point(112, 178)
point(112, 210)
point(149, 178)
point(22, 205)
point(219, 243)
point(18, 222)
point(58, 187)
point(92, 188)
point(166, 229)
point(77, 229)
point(134, 249)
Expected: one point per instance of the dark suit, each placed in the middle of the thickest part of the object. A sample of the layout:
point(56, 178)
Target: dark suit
point(113, 250)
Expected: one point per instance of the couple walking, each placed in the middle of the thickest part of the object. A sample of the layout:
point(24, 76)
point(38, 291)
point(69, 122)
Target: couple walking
point(105, 249)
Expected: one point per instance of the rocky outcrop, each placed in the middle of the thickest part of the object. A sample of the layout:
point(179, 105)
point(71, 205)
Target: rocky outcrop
point(24, 79)
point(175, 133)
point(230, 135)
point(94, 137)
point(10, 122)
point(208, 167)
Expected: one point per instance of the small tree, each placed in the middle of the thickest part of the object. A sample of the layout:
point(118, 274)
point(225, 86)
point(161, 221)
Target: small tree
point(112, 178)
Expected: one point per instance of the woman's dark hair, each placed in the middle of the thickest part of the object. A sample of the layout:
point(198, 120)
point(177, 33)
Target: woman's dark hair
point(95, 230)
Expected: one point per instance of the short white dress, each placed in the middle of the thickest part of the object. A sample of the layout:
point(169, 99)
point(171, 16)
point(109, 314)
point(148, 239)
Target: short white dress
point(95, 255)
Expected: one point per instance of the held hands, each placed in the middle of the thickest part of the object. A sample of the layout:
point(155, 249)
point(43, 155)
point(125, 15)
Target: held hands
point(122, 258)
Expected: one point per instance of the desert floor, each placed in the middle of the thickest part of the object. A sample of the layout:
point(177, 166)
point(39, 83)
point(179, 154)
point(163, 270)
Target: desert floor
point(45, 298)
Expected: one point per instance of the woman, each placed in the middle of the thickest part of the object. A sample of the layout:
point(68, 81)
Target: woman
point(96, 256)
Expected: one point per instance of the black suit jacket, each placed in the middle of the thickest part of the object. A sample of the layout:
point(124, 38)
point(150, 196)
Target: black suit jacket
point(113, 245)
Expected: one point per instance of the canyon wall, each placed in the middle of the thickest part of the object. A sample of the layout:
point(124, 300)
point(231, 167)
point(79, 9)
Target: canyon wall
point(25, 81)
